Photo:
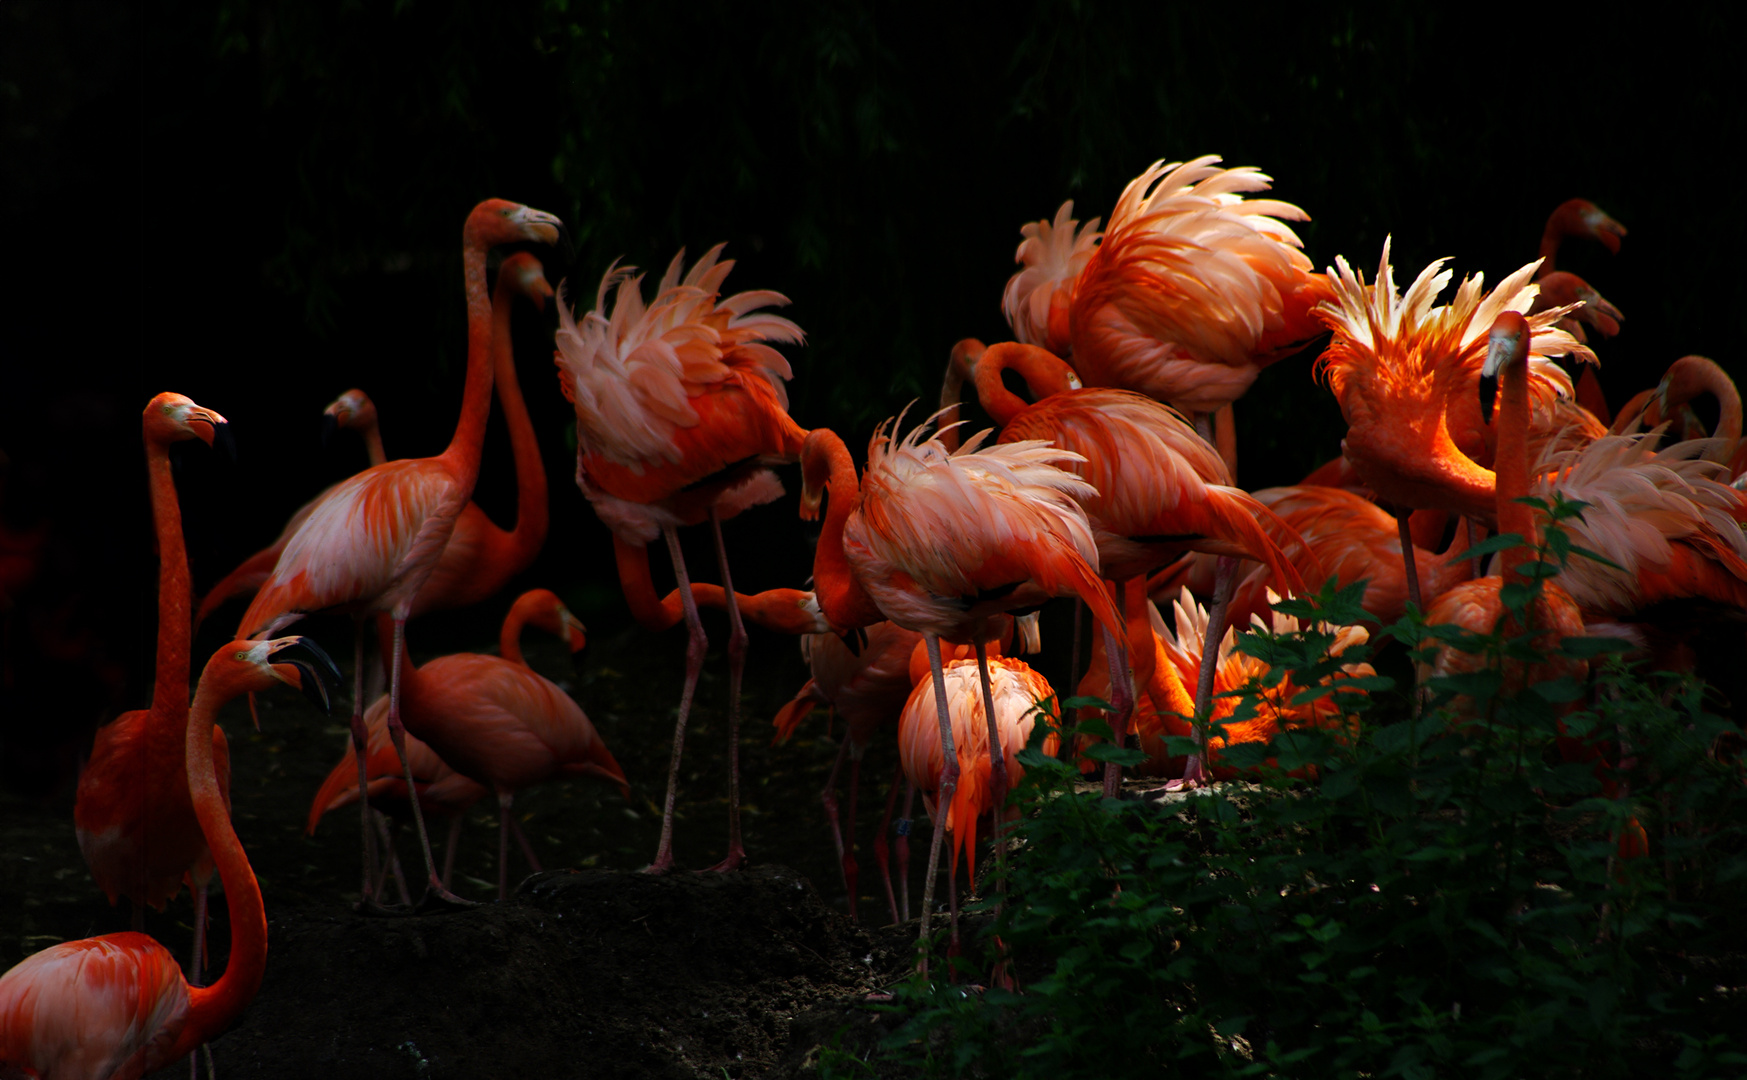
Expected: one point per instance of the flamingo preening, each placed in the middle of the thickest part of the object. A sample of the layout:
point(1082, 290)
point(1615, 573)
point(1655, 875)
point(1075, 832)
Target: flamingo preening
point(679, 406)
point(116, 1005)
point(372, 541)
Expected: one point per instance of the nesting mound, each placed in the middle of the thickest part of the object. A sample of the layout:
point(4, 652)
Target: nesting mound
point(585, 973)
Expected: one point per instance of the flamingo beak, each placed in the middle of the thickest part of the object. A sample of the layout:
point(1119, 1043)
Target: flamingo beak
point(330, 423)
point(317, 675)
point(223, 441)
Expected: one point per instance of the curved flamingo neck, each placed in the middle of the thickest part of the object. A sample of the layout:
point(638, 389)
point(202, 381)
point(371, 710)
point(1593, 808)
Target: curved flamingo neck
point(175, 591)
point(464, 448)
point(1043, 372)
point(526, 539)
point(845, 604)
point(1697, 375)
point(372, 434)
point(212, 1008)
point(509, 639)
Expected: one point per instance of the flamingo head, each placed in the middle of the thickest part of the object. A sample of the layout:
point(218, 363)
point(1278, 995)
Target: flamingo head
point(172, 418)
point(1685, 379)
point(260, 665)
point(542, 608)
point(1580, 217)
point(497, 221)
point(525, 274)
point(1507, 344)
point(817, 454)
point(352, 411)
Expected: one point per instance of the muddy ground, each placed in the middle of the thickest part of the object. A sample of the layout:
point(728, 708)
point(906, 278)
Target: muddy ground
point(592, 969)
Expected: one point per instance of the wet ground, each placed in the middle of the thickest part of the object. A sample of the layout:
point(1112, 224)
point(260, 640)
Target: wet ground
point(592, 969)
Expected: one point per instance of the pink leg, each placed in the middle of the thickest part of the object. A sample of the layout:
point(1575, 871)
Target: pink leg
point(997, 761)
point(881, 850)
point(828, 798)
point(695, 647)
point(942, 800)
point(1121, 704)
point(360, 741)
point(901, 850)
point(434, 890)
point(1224, 582)
point(503, 845)
point(736, 668)
point(952, 944)
point(527, 848)
point(391, 861)
point(1407, 558)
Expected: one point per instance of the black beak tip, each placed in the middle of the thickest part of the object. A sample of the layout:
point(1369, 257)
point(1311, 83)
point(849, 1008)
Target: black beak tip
point(224, 441)
point(566, 249)
point(321, 676)
point(1488, 395)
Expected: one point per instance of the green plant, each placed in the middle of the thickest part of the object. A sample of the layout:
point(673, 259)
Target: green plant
point(1447, 898)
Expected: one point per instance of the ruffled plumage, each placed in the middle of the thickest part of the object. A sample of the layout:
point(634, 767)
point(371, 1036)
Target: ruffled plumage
point(1038, 298)
point(632, 375)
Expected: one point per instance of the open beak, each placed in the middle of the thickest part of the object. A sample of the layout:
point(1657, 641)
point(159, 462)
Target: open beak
point(318, 677)
point(224, 442)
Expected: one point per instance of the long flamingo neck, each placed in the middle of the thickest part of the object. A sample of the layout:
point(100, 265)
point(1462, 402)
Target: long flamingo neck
point(509, 639)
point(373, 443)
point(1043, 373)
point(531, 512)
point(1511, 465)
point(212, 1008)
point(175, 593)
point(464, 448)
point(845, 603)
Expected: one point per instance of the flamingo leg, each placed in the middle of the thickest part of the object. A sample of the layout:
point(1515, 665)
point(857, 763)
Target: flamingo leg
point(1224, 583)
point(881, 850)
point(1074, 650)
point(1121, 704)
point(997, 766)
point(736, 669)
point(851, 871)
point(828, 798)
point(527, 848)
point(391, 862)
point(942, 800)
point(901, 849)
point(1407, 560)
point(449, 849)
point(434, 890)
point(503, 845)
point(952, 944)
point(360, 746)
point(696, 644)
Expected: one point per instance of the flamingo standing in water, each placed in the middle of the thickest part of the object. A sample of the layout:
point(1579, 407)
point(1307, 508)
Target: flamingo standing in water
point(503, 725)
point(135, 820)
point(116, 1005)
point(942, 543)
point(679, 406)
point(480, 557)
point(372, 542)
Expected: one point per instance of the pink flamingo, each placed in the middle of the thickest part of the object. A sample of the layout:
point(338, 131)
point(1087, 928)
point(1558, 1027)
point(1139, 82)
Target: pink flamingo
point(372, 542)
point(136, 822)
point(116, 1006)
point(679, 406)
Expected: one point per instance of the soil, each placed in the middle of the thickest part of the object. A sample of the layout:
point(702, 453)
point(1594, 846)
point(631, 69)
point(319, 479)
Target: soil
point(591, 970)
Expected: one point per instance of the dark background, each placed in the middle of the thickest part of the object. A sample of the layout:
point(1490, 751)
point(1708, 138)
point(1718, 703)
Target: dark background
point(258, 204)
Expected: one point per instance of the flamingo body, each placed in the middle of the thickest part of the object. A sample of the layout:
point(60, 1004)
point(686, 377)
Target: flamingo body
point(103, 1007)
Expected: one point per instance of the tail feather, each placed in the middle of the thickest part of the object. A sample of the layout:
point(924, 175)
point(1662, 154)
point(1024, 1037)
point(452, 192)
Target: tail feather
point(1244, 521)
point(339, 789)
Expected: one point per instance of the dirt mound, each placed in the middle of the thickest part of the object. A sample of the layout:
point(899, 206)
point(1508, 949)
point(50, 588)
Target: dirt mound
point(584, 973)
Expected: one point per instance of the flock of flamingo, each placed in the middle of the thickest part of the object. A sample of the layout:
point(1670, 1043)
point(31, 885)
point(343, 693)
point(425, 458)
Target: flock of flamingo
point(1114, 483)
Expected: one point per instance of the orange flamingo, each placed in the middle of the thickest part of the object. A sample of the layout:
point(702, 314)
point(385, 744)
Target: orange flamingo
point(785, 611)
point(116, 1005)
point(134, 817)
point(372, 542)
point(679, 406)
point(943, 542)
point(440, 789)
point(1161, 489)
point(1572, 218)
point(1579, 218)
point(1406, 372)
point(480, 557)
point(1038, 297)
point(992, 705)
point(503, 725)
point(868, 687)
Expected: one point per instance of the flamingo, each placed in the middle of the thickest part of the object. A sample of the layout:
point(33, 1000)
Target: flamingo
point(869, 688)
point(941, 542)
point(1579, 218)
point(1160, 487)
point(134, 817)
point(503, 725)
point(785, 611)
point(371, 543)
point(1576, 217)
point(441, 790)
point(116, 1006)
point(679, 404)
point(1406, 372)
point(992, 705)
point(480, 557)
point(1038, 297)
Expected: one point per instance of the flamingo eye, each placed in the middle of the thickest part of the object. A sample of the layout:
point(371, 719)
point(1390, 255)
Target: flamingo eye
point(242, 656)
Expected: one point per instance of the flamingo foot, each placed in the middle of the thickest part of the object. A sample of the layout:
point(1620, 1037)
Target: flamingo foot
point(735, 860)
point(438, 899)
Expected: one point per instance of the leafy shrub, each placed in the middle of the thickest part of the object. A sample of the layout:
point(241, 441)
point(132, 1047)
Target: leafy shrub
point(1447, 899)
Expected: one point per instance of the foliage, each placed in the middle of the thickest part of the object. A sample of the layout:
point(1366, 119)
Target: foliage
point(1447, 899)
